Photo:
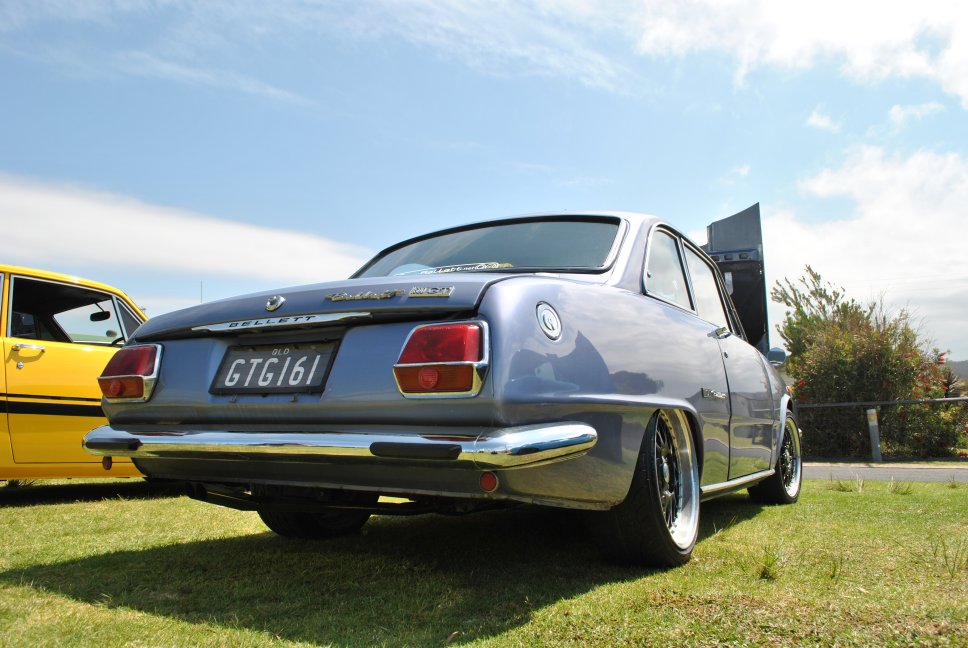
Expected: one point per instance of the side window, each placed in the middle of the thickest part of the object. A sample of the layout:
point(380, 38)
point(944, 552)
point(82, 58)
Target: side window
point(95, 323)
point(709, 303)
point(56, 312)
point(663, 274)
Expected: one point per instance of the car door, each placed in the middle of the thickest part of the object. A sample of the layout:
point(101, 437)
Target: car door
point(5, 449)
point(696, 354)
point(57, 339)
point(751, 423)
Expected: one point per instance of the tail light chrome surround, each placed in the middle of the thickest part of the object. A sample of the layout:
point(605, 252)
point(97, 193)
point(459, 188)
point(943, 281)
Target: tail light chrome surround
point(462, 378)
point(124, 382)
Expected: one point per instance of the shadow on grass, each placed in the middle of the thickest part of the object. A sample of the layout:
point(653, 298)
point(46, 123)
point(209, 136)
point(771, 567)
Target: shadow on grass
point(44, 493)
point(413, 581)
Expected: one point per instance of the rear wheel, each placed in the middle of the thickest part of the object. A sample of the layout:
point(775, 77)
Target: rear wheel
point(783, 487)
point(658, 523)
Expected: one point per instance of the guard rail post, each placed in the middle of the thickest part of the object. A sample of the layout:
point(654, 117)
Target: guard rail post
point(875, 434)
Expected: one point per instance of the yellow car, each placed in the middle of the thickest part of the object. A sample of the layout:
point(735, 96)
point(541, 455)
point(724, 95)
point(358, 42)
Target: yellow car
point(58, 334)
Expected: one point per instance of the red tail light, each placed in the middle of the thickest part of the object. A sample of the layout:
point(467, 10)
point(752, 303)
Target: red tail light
point(442, 360)
point(131, 373)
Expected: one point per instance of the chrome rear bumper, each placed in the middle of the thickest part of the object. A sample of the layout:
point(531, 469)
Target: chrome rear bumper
point(482, 449)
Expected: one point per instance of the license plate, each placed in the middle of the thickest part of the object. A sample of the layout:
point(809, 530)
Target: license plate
point(287, 368)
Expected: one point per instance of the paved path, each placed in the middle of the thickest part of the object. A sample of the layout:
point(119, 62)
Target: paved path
point(919, 472)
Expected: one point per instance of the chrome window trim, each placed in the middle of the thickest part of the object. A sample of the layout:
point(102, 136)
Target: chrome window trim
point(682, 243)
point(677, 239)
point(727, 302)
point(689, 246)
point(120, 305)
point(620, 234)
point(9, 323)
point(622, 228)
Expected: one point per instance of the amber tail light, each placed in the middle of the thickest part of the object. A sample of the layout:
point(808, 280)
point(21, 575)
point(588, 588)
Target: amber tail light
point(131, 373)
point(442, 360)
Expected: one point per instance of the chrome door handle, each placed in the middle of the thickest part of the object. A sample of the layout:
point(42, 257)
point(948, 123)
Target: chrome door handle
point(722, 333)
point(22, 345)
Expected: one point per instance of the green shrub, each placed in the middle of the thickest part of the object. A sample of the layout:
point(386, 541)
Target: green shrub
point(844, 351)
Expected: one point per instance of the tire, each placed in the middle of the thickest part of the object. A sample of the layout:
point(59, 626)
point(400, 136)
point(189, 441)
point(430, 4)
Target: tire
point(783, 487)
point(658, 522)
point(320, 524)
point(314, 525)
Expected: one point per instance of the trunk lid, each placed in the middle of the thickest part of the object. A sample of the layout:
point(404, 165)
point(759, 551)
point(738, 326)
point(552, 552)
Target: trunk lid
point(332, 303)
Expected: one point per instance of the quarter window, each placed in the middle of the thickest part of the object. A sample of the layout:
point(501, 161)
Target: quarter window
point(131, 323)
point(709, 304)
point(664, 277)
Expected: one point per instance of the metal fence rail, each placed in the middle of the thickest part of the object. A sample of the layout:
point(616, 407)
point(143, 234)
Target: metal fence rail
point(926, 401)
point(872, 424)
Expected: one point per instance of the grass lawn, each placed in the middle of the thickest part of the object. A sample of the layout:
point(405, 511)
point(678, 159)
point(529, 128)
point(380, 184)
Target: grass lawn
point(104, 564)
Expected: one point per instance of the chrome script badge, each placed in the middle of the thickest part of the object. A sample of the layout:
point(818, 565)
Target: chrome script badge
point(431, 291)
point(386, 294)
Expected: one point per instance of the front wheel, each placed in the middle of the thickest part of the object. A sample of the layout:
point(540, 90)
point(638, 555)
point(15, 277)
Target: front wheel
point(783, 487)
point(658, 523)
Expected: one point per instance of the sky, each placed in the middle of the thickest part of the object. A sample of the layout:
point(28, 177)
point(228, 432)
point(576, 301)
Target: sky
point(190, 151)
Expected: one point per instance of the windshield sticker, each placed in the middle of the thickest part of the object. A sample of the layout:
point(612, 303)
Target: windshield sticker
point(463, 267)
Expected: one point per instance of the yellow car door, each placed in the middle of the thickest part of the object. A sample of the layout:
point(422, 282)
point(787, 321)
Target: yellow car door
point(58, 336)
point(52, 398)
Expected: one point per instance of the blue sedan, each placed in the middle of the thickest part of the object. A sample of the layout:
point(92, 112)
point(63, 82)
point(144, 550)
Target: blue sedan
point(589, 361)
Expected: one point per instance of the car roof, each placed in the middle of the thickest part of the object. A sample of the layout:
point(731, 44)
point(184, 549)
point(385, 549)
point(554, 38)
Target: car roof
point(65, 278)
point(633, 218)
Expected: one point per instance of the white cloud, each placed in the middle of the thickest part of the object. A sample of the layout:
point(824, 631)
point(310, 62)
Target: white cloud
point(580, 39)
point(900, 115)
point(505, 39)
point(543, 38)
point(143, 64)
point(822, 121)
point(586, 182)
point(905, 239)
point(870, 39)
point(72, 225)
point(735, 175)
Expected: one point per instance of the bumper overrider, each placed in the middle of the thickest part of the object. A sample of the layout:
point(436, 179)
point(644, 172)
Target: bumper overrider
point(480, 449)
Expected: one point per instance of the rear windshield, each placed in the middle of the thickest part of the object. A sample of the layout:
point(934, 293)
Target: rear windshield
point(581, 245)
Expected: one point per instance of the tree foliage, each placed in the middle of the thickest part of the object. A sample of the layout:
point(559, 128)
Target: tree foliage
point(844, 351)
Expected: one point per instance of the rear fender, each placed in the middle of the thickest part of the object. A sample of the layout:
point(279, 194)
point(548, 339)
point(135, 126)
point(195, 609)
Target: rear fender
point(786, 406)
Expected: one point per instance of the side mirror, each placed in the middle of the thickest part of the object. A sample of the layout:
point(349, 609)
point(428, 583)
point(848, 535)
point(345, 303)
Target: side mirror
point(776, 356)
point(100, 316)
